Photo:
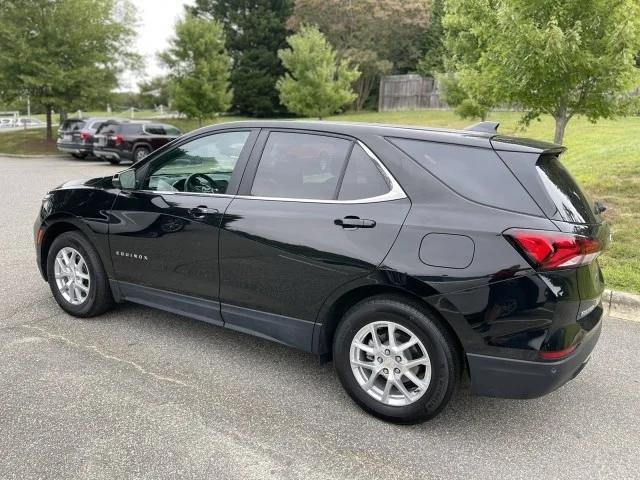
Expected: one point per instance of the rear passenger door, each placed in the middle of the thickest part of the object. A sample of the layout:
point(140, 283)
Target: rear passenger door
point(314, 211)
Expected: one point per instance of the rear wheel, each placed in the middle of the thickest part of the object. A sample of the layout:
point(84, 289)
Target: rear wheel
point(139, 153)
point(396, 360)
point(79, 156)
point(114, 161)
point(76, 276)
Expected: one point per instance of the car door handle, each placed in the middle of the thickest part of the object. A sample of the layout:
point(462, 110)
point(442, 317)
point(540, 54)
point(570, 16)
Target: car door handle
point(352, 221)
point(200, 211)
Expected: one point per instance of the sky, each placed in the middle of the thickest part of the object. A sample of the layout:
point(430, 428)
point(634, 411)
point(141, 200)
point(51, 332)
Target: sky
point(156, 19)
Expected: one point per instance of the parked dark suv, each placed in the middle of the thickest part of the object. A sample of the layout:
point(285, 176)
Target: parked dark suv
point(117, 141)
point(407, 255)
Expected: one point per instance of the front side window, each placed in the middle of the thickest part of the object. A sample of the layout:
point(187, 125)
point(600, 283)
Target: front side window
point(203, 165)
point(300, 165)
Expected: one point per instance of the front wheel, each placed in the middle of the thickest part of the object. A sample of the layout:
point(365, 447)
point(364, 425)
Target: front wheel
point(76, 276)
point(396, 360)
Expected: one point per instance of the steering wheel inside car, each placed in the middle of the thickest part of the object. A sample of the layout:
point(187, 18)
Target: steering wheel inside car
point(199, 183)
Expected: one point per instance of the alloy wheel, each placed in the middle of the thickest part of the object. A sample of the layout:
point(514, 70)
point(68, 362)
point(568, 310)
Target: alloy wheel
point(390, 363)
point(72, 276)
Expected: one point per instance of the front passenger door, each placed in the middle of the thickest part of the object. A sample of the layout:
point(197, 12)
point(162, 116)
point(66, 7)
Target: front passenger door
point(164, 236)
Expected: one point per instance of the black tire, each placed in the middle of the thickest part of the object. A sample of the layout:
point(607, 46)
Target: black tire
point(446, 365)
point(79, 156)
point(139, 153)
point(99, 299)
point(114, 161)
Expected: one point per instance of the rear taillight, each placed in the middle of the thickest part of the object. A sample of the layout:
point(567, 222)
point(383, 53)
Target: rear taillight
point(553, 250)
point(118, 139)
point(85, 136)
point(557, 354)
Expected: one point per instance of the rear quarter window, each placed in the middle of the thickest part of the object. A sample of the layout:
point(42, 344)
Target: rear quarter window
point(171, 131)
point(477, 174)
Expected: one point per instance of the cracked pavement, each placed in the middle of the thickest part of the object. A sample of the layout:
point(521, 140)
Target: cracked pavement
point(143, 394)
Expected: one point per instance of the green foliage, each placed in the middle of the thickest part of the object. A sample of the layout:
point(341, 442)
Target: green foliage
point(199, 65)
point(433, 60)
point(559, 57)
point(384, 36)
point(316, 84)
point(63, 54)
point(255, 31)
point(455, 96)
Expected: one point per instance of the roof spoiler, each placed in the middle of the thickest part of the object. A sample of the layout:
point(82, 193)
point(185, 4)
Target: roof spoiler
point(486, 127)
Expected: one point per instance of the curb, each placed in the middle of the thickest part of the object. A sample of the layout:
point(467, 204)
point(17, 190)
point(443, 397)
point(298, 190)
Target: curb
point(15, 155)
point(621, 305)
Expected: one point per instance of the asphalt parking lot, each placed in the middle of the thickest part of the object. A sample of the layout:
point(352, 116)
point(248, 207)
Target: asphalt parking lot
point(142, 394)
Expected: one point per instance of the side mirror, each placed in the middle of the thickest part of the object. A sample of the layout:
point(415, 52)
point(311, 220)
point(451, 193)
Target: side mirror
point(125, 180)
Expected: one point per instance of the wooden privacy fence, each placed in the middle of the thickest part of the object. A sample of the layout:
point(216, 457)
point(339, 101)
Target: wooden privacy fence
point(408, 92)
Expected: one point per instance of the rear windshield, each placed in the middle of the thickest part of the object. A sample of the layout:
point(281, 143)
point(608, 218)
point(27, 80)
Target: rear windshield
point(572, 203)
point(72, 124)
point(108, 128)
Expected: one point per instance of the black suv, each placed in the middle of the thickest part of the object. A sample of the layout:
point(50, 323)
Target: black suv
point(117, 141)
point(407, 255)
point(75, 135)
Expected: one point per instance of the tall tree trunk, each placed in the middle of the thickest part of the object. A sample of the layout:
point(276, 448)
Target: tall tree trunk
point(363, 86)
point(561, 125)
point(49, 126)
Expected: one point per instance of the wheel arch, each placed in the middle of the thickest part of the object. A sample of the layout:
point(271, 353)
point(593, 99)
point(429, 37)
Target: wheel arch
point(333, 311)
point(56, 228)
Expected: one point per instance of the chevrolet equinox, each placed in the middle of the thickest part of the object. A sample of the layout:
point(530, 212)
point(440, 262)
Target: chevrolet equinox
point(406, 255)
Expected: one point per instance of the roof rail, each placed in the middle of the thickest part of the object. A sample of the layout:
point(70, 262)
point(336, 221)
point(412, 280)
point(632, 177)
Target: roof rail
point(486, 127)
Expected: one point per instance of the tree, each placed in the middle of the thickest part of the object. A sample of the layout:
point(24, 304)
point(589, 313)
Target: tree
point(383, 35)
point(555, 57)
point(455, 96)
point(433, 60)
point(63, 54)
point(316, 84)
point(200, 66)
point(255, 31)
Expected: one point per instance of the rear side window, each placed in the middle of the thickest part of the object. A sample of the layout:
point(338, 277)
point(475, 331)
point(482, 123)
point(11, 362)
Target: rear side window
point(363, 178)
point(573, 204)
point(154, 129)
point(477, 174)
point(130, 128)
point(300, 165)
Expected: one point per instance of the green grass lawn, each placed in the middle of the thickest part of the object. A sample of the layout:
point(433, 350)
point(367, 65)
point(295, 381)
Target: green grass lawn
point(604, 157)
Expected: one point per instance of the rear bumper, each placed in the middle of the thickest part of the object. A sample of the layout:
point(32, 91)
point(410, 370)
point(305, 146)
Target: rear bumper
point(78, 149)
point(510, 378)
point(107, 154)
